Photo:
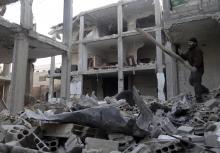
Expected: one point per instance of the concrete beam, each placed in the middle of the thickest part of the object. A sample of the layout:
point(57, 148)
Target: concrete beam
point(66, 57)
point(6, 2)
point(49, 41)
point(120, 50)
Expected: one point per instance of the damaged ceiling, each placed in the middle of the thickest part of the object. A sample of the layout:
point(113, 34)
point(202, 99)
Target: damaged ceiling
point(203, 30)
point(40, 46)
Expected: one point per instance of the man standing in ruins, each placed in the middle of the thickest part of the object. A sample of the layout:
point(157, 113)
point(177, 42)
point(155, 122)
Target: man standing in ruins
point(194, 56)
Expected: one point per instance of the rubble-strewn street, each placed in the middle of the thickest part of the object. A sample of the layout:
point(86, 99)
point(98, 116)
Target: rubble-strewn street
point(113, 126)
point(109, 76)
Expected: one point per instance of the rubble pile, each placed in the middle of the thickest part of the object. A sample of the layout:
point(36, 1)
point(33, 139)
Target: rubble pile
point(142, 125)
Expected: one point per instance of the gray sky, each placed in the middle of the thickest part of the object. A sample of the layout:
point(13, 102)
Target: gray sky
point(50, 12)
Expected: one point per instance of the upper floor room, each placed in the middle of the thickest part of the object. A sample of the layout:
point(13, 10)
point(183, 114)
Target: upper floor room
point(104, 21)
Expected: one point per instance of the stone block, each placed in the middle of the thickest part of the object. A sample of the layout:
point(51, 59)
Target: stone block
point(92, 151)
point(105, 145)
point(52, 144)
point(185, 130)
point(196, 139)
point(58, 130)
point(138, 148)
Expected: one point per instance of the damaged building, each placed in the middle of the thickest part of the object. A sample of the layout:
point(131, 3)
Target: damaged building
point(109, 56)
point(108, 52)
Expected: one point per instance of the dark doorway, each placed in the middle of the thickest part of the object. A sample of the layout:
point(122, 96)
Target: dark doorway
point(110, 86)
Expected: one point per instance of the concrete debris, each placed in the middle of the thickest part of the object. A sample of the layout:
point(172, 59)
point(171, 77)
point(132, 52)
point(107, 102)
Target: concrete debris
point(105, 145)
point(184, 130)
point(73, 144)
point(141, 125)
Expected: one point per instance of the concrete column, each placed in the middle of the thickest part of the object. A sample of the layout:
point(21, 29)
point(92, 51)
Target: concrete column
point(66, 57)
point(6, 91)
point(18, 82)
point(51, 82)
point(83, 54)
point(20, 58)
point(26, 20)
point(29, 80)
point(159, 54)
point(6, 69)
point(6, 73)
point(83, 58)
point(120, 50)
point(166, 8)
point(171, 74)
point(29, 77)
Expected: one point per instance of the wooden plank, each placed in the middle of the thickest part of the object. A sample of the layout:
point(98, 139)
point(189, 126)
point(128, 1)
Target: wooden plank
point(165, 50)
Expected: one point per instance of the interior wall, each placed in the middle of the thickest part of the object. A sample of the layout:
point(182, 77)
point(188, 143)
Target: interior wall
point(105, 56)
point(137, 10)
point(132, 48)
point(89, 85)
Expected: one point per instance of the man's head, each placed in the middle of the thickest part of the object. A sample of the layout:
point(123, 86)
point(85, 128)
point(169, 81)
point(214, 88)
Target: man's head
point(192, 42)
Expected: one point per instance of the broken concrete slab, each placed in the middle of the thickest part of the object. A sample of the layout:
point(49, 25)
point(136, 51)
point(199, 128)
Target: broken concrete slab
point(107, 118)
point(58, 130)
point(73, 144)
